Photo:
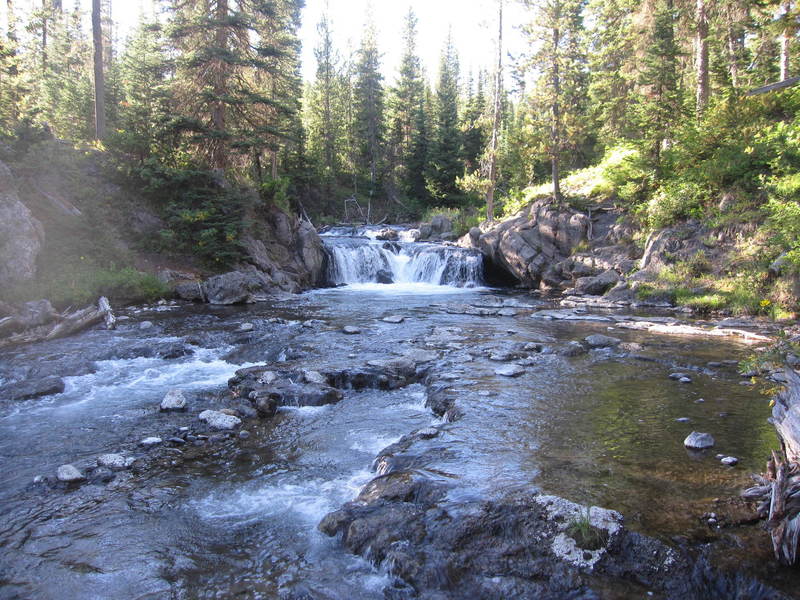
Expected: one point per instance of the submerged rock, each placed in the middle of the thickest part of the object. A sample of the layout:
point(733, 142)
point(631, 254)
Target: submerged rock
point(602, 341)
point(729, 461)
point(69, 474)
point(350, 330)
point(511, 370)
point(149, 442)
point(219, 420)
point(395, 319)
point(116, 462)
point(699, 441)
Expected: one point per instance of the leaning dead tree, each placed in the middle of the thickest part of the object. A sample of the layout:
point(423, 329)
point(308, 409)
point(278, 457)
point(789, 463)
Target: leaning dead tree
point(777, 491)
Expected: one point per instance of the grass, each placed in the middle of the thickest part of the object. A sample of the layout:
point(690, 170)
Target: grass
point(81, 284)
point(586, 535)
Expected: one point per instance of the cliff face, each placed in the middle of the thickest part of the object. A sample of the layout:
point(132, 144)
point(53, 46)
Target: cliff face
point(21, 235)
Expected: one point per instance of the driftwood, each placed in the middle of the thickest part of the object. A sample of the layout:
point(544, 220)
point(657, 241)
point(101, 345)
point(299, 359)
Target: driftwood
point(67, 323)
point(777, 492)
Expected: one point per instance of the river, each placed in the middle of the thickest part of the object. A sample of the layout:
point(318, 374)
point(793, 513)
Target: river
point(235, 516)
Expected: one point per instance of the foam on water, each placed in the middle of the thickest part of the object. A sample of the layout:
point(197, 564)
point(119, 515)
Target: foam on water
point(309, 501)
point(371, 445)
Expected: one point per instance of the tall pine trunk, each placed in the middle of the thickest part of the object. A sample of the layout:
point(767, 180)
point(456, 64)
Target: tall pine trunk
point(218, 155)
point(498, 85)
point(12, 26)
point(701, 57)
point(99, 78)
point(555, 132)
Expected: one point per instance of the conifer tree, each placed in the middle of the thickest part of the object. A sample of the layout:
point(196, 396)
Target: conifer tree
point(444, 164)
point(558, 32)
point(369, 107)
point(237, 81)
point(406, 100)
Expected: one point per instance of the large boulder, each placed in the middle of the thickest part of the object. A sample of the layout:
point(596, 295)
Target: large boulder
point(597, 286)
point(536, 238)
point(287, 250)
point(237, 287)
point(21, 235)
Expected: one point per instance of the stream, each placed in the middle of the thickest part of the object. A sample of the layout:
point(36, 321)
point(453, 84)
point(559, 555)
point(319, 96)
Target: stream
point(236, 515)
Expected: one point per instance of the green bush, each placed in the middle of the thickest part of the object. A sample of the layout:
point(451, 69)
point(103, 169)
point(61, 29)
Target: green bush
point(202, 217)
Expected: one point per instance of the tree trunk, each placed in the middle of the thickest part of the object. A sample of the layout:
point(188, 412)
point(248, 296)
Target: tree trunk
point(218, 154)
point(99, 79)
point(555, 133)
point(786, 40)
point(44, 35)
point(701, 58)
point(498, 85)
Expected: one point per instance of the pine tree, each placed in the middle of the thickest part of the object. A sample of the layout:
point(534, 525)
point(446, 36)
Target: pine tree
point(444, 164)
point(324, 120)
point(661, 106)
point(561, 88)
point(237, 82)
point(406, 100)
point(145, 107)
point(369, 116)
point(99, 73)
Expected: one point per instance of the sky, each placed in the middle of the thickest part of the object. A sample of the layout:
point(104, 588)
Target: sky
point(473, 24)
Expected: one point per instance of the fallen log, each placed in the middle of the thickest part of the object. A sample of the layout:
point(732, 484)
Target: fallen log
point(67, 324)
point(777, 492)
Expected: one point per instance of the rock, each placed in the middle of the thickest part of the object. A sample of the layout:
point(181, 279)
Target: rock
point(149, 442)
point(115, 462)
point(384, 276)
point(102, 475)
point(38, 312)
point(244, 434)
point(596, 286)
point(677, 376)
point(441, 224)
point(395, 319)
point(174, 400)
point(246, 327)
point(428, 433)
point(237, 287)
point(219, 420)
point(69, 474)
point(527, 244)
point(350, 330)
point(683, 419)
point(146, 325)
point(573, 349)
point(314, 377)
point(21, 235)
point(192, 291)
point(777, 266)
point(47, 386)
point(685, 380)
point(387, 234)
point(729, 461)
point(509, 370)
point(601, 341)
point(699, 441)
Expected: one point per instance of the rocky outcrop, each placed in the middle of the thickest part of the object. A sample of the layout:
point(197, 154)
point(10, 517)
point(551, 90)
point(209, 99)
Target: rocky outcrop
point(284, 254)
point(287, 250)
point(526, 245)
point(21, 235)
point(440, 229)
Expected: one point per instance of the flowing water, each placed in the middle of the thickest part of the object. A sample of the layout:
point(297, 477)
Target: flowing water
point(238, 517)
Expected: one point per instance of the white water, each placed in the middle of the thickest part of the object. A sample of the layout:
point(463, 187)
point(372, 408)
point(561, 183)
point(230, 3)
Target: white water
point(357, 261)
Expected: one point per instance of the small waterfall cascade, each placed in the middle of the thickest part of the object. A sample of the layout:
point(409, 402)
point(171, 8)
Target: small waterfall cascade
point(364, 260)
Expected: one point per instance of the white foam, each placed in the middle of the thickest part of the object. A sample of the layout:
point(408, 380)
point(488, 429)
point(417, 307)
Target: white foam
point(371, 445)
point(310, 500)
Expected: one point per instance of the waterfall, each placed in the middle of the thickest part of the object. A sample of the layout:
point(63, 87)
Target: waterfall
point(363, 260)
